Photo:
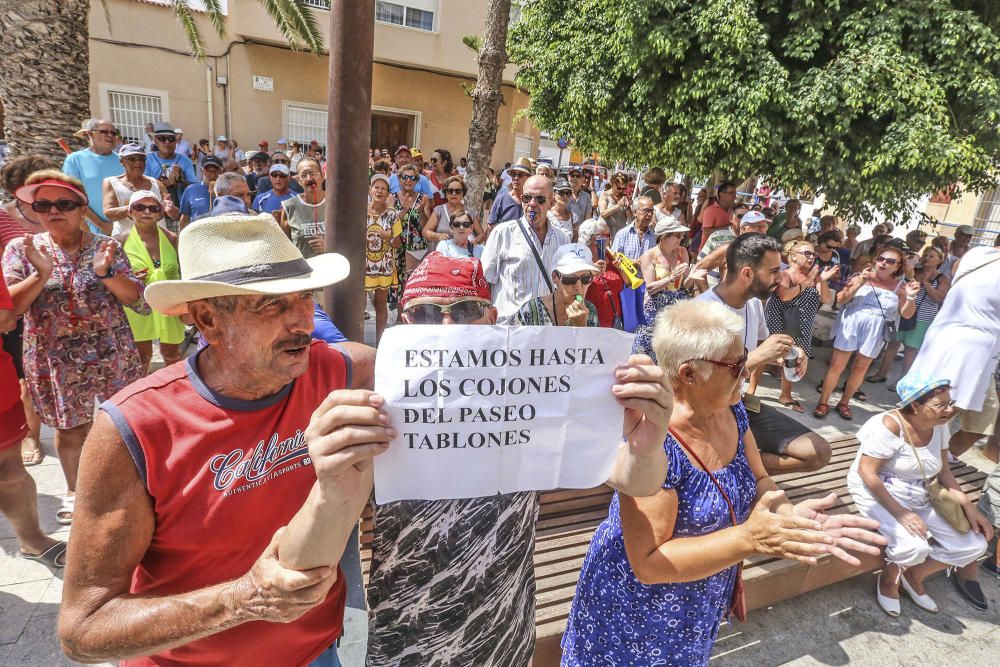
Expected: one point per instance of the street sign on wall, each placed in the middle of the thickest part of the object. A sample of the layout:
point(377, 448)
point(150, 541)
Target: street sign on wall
point(264, 83)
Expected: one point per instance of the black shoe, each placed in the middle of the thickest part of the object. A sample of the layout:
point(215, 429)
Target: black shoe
point(990, 565)
point(971, 591)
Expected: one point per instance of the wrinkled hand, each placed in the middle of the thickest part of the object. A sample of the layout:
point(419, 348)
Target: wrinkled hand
point(576, 313)
point(788, 536)
point(317, 243)
point(830, 272)
point(345, 432)
point(913, 524)
point(776, 346)
point(679, 271)
point(601, 264)
point(643, 391)
point(849, 531)
point(912, 288)
point(169, 210)
point(38, 257)
point(980, 524)
point(270, 592)
point(104, 258)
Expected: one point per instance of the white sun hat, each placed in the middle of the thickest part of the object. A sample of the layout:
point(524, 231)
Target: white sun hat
point(668, 224)
point(236, 255)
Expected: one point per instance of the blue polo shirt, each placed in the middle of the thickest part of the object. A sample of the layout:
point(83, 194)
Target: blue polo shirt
point(158, 167)
point(91, 169)
point(269, 202)
point(196, 202)
point(505, 208)
point(423, 185)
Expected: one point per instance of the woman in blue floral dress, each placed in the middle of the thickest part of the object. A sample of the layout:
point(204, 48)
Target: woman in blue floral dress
point(659, 575)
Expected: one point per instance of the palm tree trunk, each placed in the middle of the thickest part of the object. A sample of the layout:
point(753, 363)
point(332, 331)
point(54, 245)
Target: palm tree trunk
point(486, 99)
point(44, 73)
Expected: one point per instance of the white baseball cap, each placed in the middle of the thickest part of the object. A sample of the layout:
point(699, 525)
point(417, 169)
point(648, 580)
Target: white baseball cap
point(221, 137)
point(281, 168)
point(139, 195)
point(752, 218)
point(573, 258)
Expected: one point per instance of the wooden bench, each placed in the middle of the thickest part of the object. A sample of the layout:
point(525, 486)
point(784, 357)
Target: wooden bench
point(568, 518)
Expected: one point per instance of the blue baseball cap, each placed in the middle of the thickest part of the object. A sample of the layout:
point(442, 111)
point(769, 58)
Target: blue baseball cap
point(229, 204)
point(914, 385)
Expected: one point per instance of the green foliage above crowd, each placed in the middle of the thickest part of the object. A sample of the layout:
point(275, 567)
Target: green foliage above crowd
point(866, 100)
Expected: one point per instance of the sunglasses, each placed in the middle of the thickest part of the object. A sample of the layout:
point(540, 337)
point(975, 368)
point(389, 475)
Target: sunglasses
point(166, 138)
point(538, 199)
point(152, 208)
point(61, 205)
point(461, 312)
point(408, 177)
point(462, 225)
point(564, 193)
point(891, 261)
point(107, 133)
point(285, 162)
point(736, 368)
point(135, 158)
point(569, 281)
point(454, 191)
point(278, 174)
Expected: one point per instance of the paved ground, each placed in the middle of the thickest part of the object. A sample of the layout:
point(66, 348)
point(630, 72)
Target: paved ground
point(835, 626)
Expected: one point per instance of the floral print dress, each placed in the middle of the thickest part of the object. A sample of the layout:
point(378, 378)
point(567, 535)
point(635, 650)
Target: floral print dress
point(413, 238)
point(78, 345)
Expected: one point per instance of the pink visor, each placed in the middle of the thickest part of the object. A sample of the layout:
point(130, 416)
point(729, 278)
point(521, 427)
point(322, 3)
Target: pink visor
point(26, 193)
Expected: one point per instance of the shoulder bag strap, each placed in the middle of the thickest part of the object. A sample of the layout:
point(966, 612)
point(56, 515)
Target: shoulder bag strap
point(538, 258)
point(732, 511)
point(907, 440)
point(986, 263)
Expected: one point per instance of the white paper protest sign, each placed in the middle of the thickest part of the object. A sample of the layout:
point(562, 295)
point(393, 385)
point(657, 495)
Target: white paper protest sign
point(482, 410)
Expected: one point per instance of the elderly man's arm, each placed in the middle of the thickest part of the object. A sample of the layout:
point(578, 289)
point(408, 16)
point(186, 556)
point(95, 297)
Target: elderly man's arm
point(643, 392)
point(362, 364)
point(345, 432)
point(113, 525)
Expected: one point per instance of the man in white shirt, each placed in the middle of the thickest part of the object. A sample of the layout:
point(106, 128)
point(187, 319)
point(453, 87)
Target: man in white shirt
point(753, 268)
point(509, 260)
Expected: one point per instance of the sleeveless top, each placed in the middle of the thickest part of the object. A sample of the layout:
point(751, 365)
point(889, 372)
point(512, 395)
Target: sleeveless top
point(122, 194)
point(444, 222)
point(224, 475)
point(155, 326)
point(927, 308)
point(871, 301)
point(305, 221)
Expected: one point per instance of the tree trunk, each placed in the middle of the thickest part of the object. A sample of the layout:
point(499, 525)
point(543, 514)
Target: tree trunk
point(486, 99)
point(44, 73)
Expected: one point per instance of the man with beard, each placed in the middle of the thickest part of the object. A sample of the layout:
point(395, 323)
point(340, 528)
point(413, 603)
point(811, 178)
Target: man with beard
point(753, 268)
point(303, 217)
point(200, 484)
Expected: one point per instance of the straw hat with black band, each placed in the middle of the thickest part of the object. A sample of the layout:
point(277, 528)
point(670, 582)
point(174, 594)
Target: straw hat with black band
point(238, 255)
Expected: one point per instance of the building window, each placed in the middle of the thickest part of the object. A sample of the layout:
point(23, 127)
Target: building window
point(319, 4)
point(305, 123)
point(987, 220)
point(417, 14)
point(130, 112)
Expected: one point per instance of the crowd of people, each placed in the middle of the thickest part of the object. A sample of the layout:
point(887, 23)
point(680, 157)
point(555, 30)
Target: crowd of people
point(180, 518)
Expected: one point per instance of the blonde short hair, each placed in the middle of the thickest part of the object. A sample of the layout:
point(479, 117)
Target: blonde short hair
point(696, 329)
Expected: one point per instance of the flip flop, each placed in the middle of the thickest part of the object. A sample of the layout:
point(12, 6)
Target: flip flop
point(845, 411)
point(64, 515)
point(792, 405)
point(53, 557)
point(33, 455)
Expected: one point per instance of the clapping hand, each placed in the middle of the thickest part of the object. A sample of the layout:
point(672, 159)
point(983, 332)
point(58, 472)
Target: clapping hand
point(679, 271)
point(38, 257)
point(912, 288)
point(104, 258)
point(849, 531)
point(642, 389)
point(169, 210)
point(830, 272)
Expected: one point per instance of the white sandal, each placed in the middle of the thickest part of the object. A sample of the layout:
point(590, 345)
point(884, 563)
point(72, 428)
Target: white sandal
point(888, 605)
point(925, 602)
point(64, 515)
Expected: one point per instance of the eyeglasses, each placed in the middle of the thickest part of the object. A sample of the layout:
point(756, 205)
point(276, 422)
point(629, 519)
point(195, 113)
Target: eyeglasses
point(461, 312)
point(517, 174)
point(891, 261)
point(166, 138)
point(736, 368)
point(539, 199)
point(454, 191)
point(408, 177)
point(462, 225)
point(808, 254)
point(278, 174)
point(61, 205)
point(644, 211)
point(107, 133)
point(569, 281)
point(941, 406)
point(152, 208)
point(564, 193)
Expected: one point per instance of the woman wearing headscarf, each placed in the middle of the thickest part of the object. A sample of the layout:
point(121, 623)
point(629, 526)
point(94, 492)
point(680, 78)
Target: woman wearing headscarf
point(78, 346)
point(152, 252)
point(661, 571)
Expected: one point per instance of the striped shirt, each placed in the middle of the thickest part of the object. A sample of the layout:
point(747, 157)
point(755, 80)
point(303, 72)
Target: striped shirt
point(927, 308)
point(631, 243)
point(510, 267)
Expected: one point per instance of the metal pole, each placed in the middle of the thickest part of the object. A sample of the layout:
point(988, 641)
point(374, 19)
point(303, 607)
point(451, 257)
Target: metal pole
point(352, 42)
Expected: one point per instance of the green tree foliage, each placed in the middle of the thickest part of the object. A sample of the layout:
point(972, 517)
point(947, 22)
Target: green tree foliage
point(866, 100)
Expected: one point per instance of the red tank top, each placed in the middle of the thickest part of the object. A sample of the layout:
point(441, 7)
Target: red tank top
point(224, 475)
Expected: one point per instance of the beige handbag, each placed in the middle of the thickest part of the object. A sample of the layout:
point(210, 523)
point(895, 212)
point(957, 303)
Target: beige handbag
point(942, 501)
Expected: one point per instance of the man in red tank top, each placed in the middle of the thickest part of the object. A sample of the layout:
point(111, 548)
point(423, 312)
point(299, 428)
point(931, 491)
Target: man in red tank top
point(199, 484)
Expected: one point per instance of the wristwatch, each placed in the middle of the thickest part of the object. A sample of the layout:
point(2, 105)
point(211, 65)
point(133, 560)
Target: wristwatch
point(109, 274)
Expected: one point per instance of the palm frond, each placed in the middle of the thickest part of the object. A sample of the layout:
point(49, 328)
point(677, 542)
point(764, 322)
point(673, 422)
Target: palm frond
point(278, 10)
point(305, 25)
point(215, 14)
point(107, 13)
point(183, 13)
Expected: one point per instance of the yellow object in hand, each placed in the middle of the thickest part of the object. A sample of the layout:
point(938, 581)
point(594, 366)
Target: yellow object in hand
point(628, 270)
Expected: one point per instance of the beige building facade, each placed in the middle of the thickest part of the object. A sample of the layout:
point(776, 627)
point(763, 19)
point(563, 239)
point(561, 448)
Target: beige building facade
point(252, 87)
point(979, 210)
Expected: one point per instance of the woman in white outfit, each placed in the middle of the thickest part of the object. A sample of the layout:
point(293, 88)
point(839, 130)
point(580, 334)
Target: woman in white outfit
point(117, 190)
point(875, 300)
point(889, 483)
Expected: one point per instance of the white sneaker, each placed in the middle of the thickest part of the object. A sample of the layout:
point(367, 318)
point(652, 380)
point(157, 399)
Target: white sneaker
point(925, 602)
point(889, 605)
